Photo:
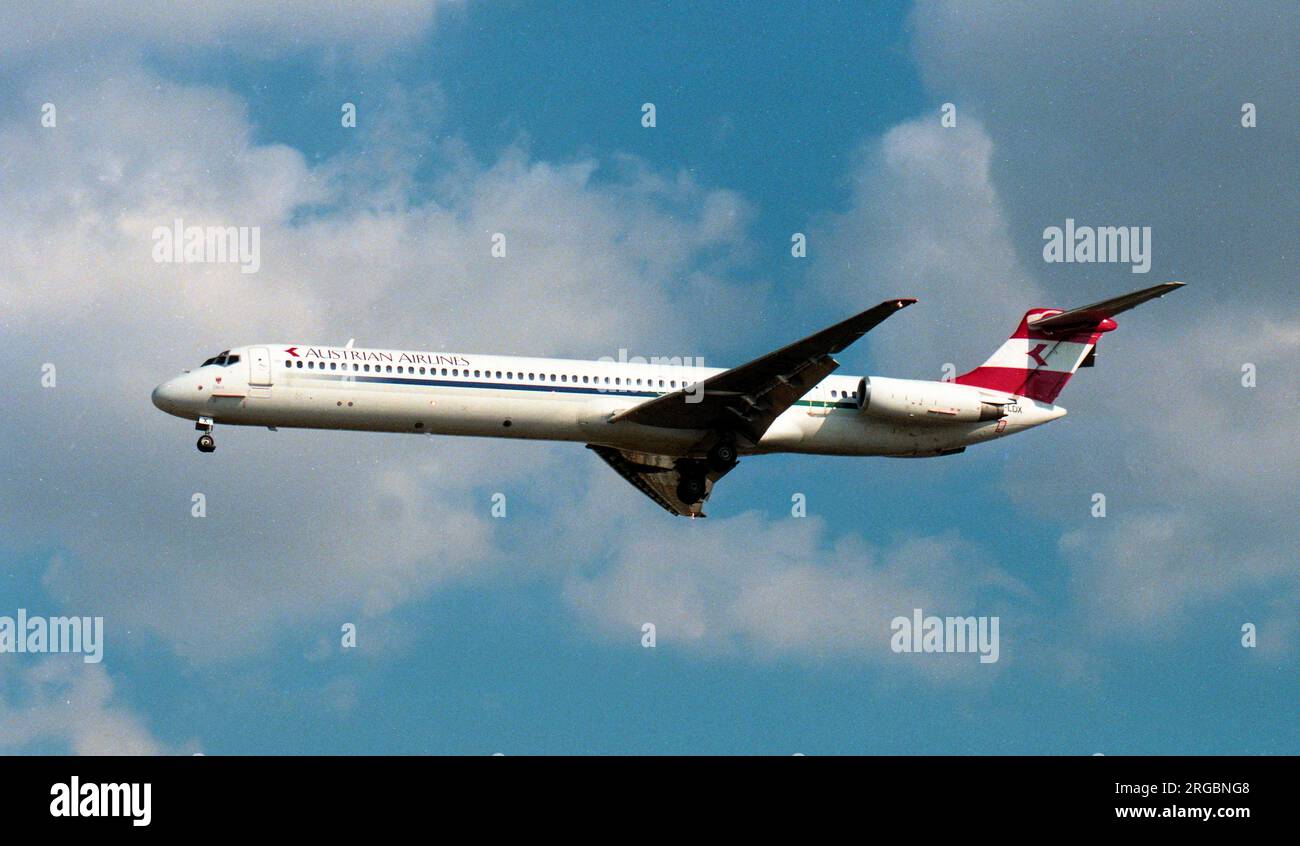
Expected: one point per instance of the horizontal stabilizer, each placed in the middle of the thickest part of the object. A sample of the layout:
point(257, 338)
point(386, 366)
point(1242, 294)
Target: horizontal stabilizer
point(1090, 315)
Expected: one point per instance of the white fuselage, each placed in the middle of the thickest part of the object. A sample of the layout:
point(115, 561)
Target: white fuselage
point(278, 385)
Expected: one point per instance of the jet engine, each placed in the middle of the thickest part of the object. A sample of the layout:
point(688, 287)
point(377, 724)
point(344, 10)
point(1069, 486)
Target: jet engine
point(912, 401)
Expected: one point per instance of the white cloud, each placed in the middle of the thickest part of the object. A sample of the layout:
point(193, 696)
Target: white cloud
point(925, 220)
point(1108, 114)
point(1198, 470)
point(71, 704)
point(300, 526)
point(785, 590)
point(306, 527)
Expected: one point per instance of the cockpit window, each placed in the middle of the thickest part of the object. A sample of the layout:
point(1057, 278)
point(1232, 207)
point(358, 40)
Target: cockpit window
point(221, 359)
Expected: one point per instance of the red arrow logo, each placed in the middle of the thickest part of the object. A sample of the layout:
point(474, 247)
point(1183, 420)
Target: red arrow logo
point(1036, 355)
point(293, 351)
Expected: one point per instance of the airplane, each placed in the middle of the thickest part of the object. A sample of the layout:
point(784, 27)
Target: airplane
point(671, 430)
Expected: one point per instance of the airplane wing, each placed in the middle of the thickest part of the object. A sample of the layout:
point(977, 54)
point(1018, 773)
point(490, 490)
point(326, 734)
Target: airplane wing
point(656, 476)
point(748, 398)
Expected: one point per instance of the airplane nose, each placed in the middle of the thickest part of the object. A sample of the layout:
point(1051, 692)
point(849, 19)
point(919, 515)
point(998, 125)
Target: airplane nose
point(166, 395)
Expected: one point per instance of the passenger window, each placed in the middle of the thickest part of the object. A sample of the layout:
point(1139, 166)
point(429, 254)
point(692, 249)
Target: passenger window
point(300, 365)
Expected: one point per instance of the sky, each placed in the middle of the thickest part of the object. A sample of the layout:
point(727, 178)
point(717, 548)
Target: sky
point(523, 634)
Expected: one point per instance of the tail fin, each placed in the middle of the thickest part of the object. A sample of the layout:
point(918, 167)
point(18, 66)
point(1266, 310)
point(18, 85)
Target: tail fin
point(1050, 344)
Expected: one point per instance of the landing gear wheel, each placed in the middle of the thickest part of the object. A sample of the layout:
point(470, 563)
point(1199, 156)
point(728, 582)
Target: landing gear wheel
point(722, 457)
point(690, 489)
point(207, 443)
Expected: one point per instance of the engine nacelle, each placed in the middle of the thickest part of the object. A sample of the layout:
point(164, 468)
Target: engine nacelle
point(926, 402)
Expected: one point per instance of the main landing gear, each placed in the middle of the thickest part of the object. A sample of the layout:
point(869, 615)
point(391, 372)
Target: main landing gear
point(719, 459)
point(690, 489)
point(722, 457)
point(206, 442)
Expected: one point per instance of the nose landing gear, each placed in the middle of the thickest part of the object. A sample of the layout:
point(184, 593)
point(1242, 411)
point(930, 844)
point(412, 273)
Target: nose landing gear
point(206, 442)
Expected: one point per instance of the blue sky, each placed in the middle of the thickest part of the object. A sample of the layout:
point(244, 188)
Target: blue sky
point(522, 635)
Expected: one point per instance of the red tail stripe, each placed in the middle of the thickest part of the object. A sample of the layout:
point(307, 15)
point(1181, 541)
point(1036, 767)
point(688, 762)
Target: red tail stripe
point(1034, 381)
point(1041, 385)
